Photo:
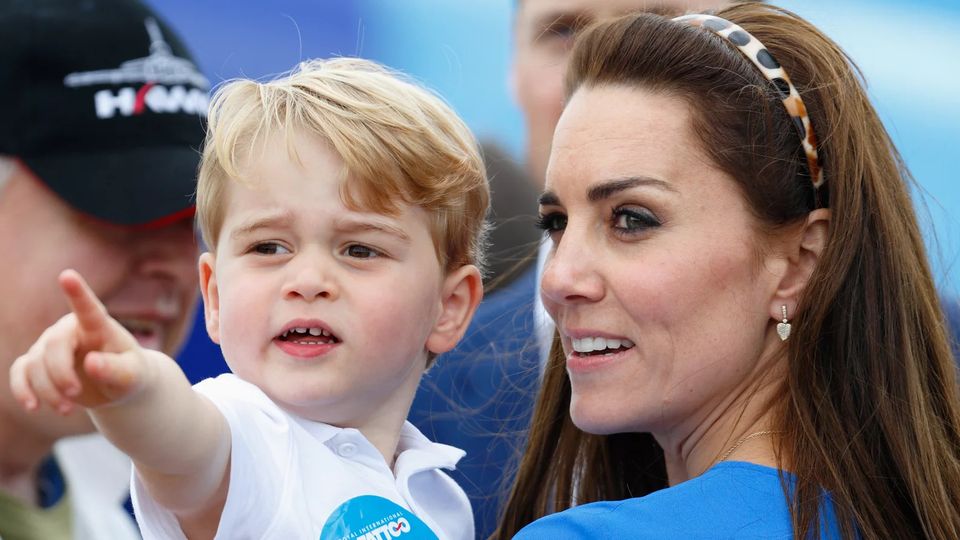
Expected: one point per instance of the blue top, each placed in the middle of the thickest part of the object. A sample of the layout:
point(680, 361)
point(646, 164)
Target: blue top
point(479, 397)
point(732, 499)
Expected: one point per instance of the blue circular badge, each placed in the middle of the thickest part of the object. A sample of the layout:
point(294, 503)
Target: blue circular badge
point(369, 517)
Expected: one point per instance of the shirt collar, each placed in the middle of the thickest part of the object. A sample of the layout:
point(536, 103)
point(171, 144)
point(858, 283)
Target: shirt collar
point(415, 452)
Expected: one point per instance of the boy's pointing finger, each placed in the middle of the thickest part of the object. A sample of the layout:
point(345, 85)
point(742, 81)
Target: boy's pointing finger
point(97, 329)
point(91, 315)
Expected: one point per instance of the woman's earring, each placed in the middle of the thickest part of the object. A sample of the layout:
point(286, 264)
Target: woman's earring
point(783, 328)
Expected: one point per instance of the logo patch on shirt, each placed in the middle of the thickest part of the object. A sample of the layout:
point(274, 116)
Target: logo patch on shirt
point(369, 517)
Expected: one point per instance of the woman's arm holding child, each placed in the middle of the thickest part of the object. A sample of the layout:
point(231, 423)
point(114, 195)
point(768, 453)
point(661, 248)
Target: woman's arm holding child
point(139, 399)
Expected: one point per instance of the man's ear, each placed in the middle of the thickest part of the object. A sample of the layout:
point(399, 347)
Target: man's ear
point(461, 293)
point(211, 295)
point(802, 250)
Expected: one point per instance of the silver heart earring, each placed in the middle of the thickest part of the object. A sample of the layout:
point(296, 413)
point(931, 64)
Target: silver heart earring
point(783, 328)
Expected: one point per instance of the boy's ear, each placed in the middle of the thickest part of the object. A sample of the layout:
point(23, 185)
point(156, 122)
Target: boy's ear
point(802, 255)
point(211, 295)
point(461, 294)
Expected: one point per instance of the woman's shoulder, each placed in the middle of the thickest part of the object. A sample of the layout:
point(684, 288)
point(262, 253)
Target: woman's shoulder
point(732, 499)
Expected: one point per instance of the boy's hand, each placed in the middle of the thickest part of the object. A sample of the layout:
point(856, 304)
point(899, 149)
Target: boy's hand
point(86, 358)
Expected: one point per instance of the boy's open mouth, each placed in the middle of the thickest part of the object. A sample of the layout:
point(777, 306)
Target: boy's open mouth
point(308, 336)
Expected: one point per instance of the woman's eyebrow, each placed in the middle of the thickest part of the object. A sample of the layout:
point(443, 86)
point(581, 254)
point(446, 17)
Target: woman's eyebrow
point(548, 198)
point(607, 189)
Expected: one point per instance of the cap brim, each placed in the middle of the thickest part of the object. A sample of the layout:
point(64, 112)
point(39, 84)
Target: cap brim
point(133, 187)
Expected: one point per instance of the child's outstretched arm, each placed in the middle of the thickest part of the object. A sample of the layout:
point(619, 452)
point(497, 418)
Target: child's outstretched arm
point(139, 399)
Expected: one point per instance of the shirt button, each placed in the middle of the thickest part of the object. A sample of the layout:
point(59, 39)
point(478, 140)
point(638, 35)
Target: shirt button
point(347, 450)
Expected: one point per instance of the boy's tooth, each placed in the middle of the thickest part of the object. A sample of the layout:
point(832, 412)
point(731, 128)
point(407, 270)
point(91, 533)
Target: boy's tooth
point(301, 330)
point(626, 343)
point(315, 332)
point(326, 333)
point(613, 343)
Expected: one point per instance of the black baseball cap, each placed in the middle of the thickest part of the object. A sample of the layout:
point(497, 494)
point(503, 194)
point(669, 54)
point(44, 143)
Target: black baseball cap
point(103, 102)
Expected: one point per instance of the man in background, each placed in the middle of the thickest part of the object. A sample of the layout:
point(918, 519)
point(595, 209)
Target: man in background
point(102, 118)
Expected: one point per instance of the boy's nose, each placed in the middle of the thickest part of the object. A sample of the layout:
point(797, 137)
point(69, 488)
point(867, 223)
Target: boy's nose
point(310, 279)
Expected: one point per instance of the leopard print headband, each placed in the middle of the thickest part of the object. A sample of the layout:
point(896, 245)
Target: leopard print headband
point(771, 69)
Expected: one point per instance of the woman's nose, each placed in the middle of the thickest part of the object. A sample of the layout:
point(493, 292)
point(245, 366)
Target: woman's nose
point(570, 274)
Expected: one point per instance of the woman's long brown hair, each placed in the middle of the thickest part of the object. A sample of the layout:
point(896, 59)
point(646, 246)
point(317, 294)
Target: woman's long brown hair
point(870, 411)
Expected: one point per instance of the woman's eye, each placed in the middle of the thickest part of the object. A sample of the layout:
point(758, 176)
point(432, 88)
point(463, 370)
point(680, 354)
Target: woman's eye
point(629, 220)
point(552, 222)
point(359, 251)
point(270, 248)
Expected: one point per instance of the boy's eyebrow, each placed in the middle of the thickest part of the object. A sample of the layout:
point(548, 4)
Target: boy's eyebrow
point(351, 224)
point(273, 219)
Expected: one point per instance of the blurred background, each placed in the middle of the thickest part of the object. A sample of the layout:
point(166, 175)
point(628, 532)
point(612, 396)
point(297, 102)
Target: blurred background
point(909, 53)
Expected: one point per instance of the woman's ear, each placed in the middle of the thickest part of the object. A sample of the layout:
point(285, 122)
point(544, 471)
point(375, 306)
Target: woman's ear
point(211, 295)
point(461, 293)
point(802, 251)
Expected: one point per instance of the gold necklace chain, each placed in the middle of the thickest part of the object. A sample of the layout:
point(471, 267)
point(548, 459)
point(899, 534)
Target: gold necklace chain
point(744, 439)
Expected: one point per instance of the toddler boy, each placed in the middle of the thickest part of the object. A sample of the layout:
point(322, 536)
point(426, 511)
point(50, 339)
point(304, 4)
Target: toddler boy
point(344, 212)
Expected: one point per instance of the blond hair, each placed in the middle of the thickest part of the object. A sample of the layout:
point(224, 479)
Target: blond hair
point(398, 141)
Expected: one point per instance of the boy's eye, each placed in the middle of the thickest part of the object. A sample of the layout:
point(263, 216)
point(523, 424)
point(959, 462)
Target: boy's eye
point(359, 251)
point(552, 222)
point(629, 220)
point(270, 248)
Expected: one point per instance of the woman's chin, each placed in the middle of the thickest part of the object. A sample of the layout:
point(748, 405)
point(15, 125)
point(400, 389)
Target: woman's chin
point(597, 417)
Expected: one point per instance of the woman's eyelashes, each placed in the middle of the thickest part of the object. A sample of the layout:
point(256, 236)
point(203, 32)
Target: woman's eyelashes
point(632, 219)
point(551, 222)
point(624, 220)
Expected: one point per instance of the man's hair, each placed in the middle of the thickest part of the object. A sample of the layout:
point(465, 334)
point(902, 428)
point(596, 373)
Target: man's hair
point(398, 141)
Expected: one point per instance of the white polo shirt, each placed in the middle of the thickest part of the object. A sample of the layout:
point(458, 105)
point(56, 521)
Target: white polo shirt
point(292, 478)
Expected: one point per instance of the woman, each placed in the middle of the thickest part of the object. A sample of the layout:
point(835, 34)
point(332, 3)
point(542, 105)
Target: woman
point(749, 340)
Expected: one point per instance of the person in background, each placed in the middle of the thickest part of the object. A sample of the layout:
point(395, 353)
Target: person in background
point(749, 340)
point(103, 114)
